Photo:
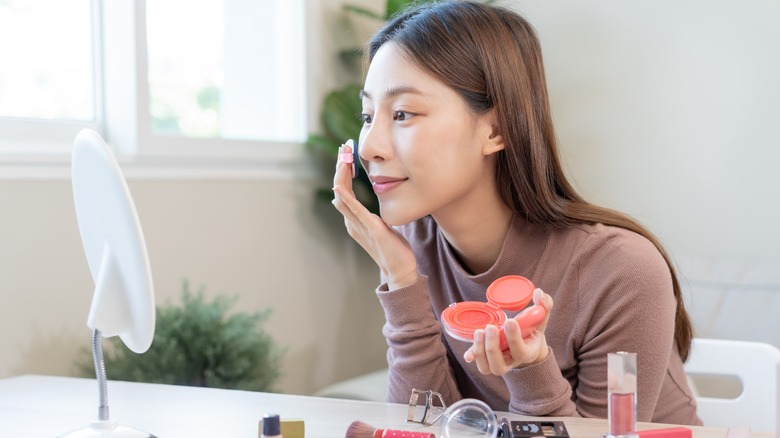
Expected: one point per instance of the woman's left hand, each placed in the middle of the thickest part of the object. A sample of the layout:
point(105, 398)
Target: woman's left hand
point(486, 350)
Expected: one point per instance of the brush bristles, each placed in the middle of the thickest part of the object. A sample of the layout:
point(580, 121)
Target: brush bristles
point(359, 429)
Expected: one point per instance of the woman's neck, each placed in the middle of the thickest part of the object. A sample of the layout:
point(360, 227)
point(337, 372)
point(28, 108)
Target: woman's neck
point(478, 235)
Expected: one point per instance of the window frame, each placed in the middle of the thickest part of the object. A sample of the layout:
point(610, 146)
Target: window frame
point(41, 148)
point(29, 139)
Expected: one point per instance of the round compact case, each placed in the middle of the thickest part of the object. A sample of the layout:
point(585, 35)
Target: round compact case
point(512, 293)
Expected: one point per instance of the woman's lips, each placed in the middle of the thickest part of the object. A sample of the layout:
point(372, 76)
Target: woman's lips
point(385, 184)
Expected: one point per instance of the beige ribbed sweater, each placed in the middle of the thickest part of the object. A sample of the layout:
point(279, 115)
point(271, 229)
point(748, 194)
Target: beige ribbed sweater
point(612, 292)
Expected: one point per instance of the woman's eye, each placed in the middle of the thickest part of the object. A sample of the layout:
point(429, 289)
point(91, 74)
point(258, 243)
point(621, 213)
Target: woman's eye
point(401, 115)
point(365, 118)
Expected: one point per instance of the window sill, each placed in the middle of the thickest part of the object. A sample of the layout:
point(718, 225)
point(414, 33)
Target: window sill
point(57, 168)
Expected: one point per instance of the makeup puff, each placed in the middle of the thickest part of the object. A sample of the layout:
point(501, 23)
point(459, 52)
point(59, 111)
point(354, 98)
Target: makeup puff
point(351, 158)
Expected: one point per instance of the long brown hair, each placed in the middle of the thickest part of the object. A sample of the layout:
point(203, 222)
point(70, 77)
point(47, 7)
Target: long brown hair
point(492, 57)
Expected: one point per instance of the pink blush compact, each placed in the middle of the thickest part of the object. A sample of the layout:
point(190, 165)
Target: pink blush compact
point(512, 293)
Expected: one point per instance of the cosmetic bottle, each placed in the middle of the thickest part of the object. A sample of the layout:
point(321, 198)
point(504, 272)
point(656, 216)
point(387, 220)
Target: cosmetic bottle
point(271, 426)
point(621, 390)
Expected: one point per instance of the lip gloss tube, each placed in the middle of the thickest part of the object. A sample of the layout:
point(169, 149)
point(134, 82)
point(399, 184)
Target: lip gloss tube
point(621, 389)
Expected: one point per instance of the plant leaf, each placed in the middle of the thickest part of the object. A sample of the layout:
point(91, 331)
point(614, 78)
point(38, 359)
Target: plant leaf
point(393, 7)
point(352, 57)
point(325, 145)
point(198, 344)
point(340, 113)
point(363, 11)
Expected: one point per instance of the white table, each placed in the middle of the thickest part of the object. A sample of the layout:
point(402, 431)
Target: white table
point(44, 406)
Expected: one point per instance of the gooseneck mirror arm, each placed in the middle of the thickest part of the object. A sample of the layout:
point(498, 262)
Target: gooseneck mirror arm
point(100, 373)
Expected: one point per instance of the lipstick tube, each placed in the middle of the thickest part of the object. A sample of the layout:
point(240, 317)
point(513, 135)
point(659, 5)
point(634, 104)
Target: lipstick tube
point(669, 432)
point(621, 390)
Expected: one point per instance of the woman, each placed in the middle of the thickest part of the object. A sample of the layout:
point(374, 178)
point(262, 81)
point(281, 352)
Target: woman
point(459, 144)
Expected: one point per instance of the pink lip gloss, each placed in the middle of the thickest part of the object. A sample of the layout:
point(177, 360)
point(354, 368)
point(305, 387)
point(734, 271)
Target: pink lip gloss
point(621, 388)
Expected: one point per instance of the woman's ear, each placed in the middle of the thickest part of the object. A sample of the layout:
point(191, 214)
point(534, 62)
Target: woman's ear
point(494, 141)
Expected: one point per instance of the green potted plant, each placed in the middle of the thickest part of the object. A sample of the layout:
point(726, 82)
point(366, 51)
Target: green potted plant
point(198, 344)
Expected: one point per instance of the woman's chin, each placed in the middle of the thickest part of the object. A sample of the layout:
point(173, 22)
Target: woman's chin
point(394, 215)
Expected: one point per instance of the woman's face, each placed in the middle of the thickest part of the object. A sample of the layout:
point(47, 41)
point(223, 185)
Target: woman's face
point(424, 151)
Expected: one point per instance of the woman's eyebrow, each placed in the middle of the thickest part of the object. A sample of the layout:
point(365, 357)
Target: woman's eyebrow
point(393, 91)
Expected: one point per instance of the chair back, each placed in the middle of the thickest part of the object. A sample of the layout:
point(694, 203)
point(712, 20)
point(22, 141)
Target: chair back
point(755, 365)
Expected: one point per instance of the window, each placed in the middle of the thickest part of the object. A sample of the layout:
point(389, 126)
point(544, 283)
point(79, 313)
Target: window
point(47, 68)
point(229, 69)
point(191, 79)
point(48, 85)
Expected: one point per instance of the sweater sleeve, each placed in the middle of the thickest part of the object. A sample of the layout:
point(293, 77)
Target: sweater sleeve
point(417, 357)
point(540, 390)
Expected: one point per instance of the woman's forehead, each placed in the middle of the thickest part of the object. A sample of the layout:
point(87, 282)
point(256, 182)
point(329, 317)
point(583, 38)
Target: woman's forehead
point(392, 73)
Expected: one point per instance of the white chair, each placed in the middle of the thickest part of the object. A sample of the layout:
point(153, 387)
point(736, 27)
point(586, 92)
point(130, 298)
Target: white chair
point(368, 387)
point(755, 365)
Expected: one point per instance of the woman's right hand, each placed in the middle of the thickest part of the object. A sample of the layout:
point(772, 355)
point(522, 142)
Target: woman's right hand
point(391, 252)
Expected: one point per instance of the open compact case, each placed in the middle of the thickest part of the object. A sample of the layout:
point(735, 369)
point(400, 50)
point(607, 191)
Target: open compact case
point(508, 293)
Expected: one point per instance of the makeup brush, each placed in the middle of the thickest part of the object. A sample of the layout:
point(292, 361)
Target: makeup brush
point(359, 429)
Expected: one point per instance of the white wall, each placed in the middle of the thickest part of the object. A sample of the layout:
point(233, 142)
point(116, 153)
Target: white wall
point(669, 111)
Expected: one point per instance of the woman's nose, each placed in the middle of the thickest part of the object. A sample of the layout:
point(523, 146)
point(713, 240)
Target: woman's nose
point(374, 144)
